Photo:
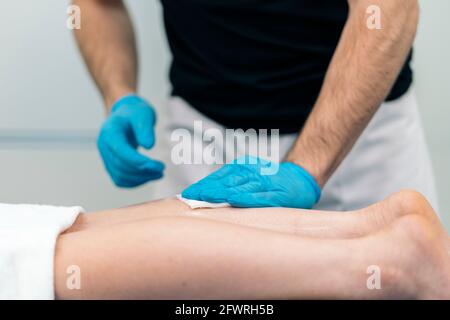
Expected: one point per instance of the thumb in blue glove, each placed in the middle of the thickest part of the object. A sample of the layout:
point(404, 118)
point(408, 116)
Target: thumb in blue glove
point(129, 126)
point(242, 184)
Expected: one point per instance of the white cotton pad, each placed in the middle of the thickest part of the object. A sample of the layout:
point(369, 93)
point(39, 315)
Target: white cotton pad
point(194, 204)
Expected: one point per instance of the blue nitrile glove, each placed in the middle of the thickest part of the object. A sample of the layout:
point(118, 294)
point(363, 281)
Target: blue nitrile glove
point(129, 126)
point(244, 185)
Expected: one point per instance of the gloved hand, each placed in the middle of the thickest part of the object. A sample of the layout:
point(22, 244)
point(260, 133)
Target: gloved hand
point(130, 125)
point(243, 185)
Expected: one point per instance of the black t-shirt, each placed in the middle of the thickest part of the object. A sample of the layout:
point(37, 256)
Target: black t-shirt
point(256, 63)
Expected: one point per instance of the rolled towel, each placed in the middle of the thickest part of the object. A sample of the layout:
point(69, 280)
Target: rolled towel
point(28, 235)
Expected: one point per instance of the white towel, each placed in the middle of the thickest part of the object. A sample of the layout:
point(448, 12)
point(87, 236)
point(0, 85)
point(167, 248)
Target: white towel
point(28, 235)
point(194, 204)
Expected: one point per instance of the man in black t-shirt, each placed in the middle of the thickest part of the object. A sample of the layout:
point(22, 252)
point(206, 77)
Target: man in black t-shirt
point(333, 76)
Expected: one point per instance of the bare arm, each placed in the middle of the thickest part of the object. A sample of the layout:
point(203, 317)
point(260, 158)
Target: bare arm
point(107, 42)
point(361, 74)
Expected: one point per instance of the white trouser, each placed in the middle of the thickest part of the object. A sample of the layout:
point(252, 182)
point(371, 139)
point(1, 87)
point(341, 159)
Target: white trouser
point(390, 155)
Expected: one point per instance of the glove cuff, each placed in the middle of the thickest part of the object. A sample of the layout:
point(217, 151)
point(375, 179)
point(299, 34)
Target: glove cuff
point(127, 100)
point(309, 178)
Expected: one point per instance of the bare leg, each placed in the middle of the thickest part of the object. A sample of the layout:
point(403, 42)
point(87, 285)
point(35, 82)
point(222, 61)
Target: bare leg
point(319, 224)
point(182, 257)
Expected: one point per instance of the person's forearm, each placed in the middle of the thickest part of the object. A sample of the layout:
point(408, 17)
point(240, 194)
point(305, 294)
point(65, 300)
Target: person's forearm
point(362, 72)
point(107, 42)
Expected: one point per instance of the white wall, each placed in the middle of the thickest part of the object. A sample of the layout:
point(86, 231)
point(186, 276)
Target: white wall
point(50, 111)
point(432, 67)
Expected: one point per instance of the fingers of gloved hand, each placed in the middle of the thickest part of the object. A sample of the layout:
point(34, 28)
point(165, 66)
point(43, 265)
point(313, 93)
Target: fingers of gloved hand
point(130, 157)
point(125, 176)
point(230, 175)
point(193, 191)
point(223, 194)
point(237, 181)
point(212, 192)
point(143, 127)
point(124, 180)
point(145, 170)
point(252, 200)
point(125, 165)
